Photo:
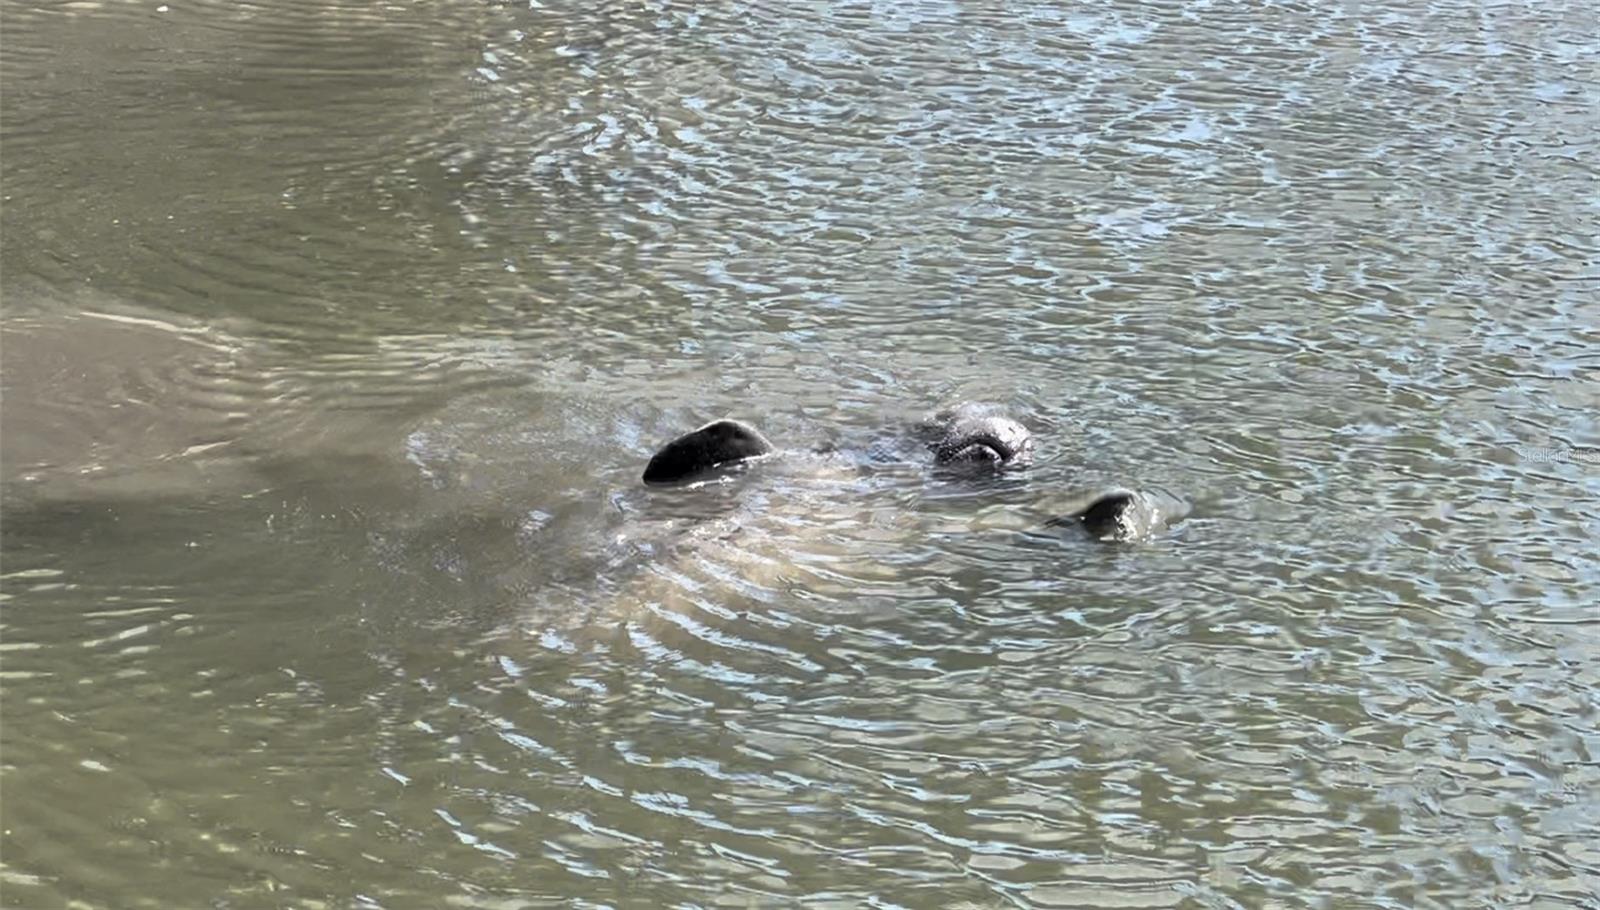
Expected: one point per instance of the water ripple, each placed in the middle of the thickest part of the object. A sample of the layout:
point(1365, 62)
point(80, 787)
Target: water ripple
point(336, 334)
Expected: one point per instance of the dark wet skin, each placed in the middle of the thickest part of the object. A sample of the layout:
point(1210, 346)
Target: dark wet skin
point(695, 453)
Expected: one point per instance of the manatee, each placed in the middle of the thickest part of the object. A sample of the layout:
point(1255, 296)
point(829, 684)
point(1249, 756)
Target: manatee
point(969, 437)
point(698, 452)
point(681, 562)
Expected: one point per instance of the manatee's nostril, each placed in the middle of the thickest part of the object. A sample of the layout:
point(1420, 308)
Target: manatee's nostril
point(977, 453)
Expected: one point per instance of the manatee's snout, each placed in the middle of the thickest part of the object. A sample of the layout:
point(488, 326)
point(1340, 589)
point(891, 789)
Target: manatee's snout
point(977, 454)
point(984, 441)
point(698, 451)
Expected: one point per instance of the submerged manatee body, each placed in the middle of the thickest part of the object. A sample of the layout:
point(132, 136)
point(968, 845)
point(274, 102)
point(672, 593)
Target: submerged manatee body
point(831, 521)
point(703, 541)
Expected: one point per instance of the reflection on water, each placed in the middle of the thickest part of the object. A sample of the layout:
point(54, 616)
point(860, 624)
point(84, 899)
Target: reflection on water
point(335, 337)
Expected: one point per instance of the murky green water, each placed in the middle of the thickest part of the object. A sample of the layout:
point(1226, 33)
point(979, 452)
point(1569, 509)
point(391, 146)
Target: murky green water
point(336, 335)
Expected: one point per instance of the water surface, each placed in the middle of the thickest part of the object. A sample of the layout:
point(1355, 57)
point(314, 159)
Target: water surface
point(335, 337)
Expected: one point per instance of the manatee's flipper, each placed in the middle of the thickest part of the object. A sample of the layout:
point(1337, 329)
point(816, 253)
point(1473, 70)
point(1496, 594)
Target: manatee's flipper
point(1121, 515)
point(978, 435)
point(694, 453)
